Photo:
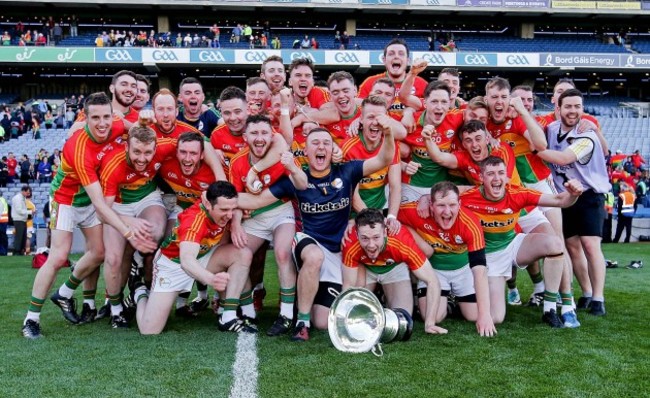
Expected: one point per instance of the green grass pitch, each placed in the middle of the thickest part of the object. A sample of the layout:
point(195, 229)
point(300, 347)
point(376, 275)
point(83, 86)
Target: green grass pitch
point(606, 357)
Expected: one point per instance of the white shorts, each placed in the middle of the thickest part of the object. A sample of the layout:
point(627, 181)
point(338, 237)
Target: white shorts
point(263, 225)
point(331, 269)
point(531, 220)
point(546, 186)
point(413, 194)
point(66, 218)
point(500, 263)
point(168, 276)
point(459, 282)
point(135, 209)
point(399, 273)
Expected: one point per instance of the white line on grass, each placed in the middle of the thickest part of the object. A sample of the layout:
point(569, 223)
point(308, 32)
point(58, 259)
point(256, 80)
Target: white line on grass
point(244, 369)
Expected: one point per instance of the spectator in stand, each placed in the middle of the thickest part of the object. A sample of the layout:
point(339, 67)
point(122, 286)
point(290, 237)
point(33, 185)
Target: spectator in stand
point(345, 40)
point(41, 40)
point(48, 120)
point(276, 44)
point(5, 124)
point(215, 32)
point(20, 28)
point(449, 47)
point(57, 33)
point(6, 39)
point(59, 121)
point(12, 165)
point(305, 43)
point(251, 42)
point(56, 155)
point(641, 190)
point(2, 134)
point(4, 222)
point(264, 43)
point(638, 161)
point(187, 41)
point(179, 40)
point(99, 40)
point(44, 170)
point(431, 43)
point(236, 34)
point(314, 43)
point(19, 214)
point(74, 24)
point(36, 127)
point(337, 39)
point(196, 40)
point(248, 32)
point(106, 39)
point(151, 40)
point(25, 169)
point(4, 172)
point(69, 117)
point(30, 239)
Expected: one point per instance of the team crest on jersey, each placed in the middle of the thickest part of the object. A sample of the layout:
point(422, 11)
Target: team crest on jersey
point(390, 261)
point(509, 125)
point(337, 183)
point(203, 185)
point(450, 133)
point(458, 239)
point(507, 211)
point(157, 166)
point(200, 126)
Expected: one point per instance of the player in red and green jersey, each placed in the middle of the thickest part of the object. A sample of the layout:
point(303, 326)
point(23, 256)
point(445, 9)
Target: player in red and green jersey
point(475, 149)
point(373, 256)
point(420, 173)
point(123, 89)
point(498, 204)
point(453, 239)
point(195, 250)
point(396, 60)
point(274, 222)
point(127, 177)
point(77, 197)
point(301, 81)
point(371, 191)
point(343, 92)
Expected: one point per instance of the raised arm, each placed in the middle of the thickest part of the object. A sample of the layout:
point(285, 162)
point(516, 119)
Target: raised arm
point(387, 150)
point(442, 158)
point(534, 133)
point(405, 95)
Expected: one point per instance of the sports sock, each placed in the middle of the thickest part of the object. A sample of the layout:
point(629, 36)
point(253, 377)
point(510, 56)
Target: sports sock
point(32, 316)
point(203, 294)
point(89, 298)
point(34, 311)
point(550, 300)
point(140, 293)
point(116, 304)
point(538, 282)
point(512, 284)
point(595, 298)
point(567, 302)
point(246, 303)
point(304, 318)
point(287, 299)
point(512, 289)
point(229, 310)
point(586, 294)
point(67, 289)
point(181, 299)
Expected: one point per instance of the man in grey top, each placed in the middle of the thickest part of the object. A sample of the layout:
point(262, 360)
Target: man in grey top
point(580, 155)
point(19, 214)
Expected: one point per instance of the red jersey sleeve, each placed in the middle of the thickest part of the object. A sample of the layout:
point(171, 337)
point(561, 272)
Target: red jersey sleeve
point(405, 245)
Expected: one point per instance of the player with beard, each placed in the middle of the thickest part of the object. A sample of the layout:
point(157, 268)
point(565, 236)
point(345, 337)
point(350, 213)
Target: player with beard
point(273, 72)
point(578, 155)
point(452, 237)
point(498, 206)
point(419, 173)
point(396, 59)
point(325, 209)
point(127, 174)
point(190, 93)
point(77, 200)
point(123, 89)
point(371, 191)
point(274, 222)
point(142, 96)
point(373, 256)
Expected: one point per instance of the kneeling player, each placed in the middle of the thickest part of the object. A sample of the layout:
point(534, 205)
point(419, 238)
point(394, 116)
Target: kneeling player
point(372, 256)
point(194, 251)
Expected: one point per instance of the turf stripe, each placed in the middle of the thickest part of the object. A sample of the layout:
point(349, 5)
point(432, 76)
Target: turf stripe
point(244, 369)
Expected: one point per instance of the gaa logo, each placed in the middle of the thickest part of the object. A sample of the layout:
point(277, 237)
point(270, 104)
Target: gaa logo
point(211, 56)
point(302, 55)
point(384, 2)
point(434, 59)
point(161, 55)
point(517, 60)
point(433, 2)
point(255, 56)
point(118, 55)
point(346, 57)
point(474, 59)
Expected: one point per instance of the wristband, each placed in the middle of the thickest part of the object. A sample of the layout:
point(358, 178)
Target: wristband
point(388, 217)
point(255, 170)
point(128, 235)
point(284, 112)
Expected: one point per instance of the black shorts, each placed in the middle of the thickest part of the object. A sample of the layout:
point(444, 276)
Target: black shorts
point(327, 293)
point(586, 216)
point(471, 298)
